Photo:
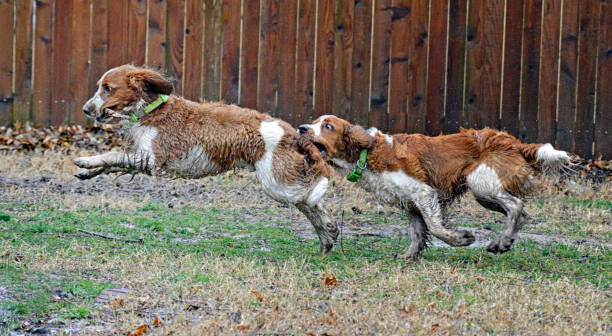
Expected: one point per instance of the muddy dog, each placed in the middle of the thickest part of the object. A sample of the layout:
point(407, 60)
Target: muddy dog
point(422, 175)
point(169, 134)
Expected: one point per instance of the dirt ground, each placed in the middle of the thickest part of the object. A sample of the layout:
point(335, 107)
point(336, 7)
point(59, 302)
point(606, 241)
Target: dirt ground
point(47, 179)
point(43, 180)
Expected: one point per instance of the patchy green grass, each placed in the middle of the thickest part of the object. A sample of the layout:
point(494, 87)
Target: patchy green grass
point(191, 257)
point(577, 202)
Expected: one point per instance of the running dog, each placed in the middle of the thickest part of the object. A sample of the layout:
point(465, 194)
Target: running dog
point(173, 135)
point(422, 175)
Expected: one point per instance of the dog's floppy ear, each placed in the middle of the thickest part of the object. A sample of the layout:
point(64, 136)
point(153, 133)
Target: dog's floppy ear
point(149, 81)
point(356, 135)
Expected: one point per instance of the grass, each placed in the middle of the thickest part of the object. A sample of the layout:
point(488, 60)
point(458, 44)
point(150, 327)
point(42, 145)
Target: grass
point(235, 262)
point(214, 259)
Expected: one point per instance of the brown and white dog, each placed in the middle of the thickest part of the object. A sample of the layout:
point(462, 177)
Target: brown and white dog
point(192, 140)
point(422, 175)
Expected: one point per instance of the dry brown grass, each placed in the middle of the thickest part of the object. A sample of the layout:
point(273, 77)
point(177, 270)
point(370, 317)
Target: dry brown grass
point(378, 298)
point(289, 295)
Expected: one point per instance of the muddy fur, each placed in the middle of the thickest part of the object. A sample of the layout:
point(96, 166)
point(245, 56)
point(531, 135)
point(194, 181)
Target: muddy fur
point(423, 175)
point(192, 140)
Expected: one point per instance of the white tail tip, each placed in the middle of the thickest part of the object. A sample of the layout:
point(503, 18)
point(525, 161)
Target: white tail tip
point(551, 157)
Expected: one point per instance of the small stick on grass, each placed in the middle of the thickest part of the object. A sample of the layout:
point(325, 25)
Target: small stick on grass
point(139, 240)
point(341, 224)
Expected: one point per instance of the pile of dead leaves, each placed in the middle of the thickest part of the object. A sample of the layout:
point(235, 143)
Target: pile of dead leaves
point(66, 139)
point(596, 169)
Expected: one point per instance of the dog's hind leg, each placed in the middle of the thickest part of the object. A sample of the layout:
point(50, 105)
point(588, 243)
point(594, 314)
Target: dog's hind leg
point(429, 206)
point(489, 192)
point(516, 216)
point(418, 236)
point(323, 223)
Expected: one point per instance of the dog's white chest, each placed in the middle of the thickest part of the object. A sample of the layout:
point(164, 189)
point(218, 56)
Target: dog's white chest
point(143, 137)
point(272, 134)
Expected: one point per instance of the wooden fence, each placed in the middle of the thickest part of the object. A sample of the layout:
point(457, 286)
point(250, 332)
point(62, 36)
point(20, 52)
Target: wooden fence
point(540, 69)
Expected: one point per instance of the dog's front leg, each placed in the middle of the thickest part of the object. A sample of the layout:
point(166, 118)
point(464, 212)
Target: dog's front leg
point(324, 225)
point(85, 174)
point(109, 159)
point(141, 161)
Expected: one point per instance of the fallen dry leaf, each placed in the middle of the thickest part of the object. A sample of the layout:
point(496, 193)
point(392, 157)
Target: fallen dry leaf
point(329, 281)
point(408, 310)
point(258, 295)
point(139, 331)
point(243, 327)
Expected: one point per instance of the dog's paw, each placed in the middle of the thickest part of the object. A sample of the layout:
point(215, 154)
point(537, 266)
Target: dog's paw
point(410, 256)
point(82, 162)
point(501, 244)
point(464, 238)
point(85, 174)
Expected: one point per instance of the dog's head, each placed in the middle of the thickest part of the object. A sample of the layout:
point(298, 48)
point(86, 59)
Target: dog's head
point(124, 90)
point(337, 138)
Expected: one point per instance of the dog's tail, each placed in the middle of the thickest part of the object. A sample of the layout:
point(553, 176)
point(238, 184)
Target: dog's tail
point(313, 157)
point(546, 155)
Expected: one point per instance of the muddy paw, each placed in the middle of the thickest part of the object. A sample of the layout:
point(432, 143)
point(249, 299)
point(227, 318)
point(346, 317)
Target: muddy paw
point(82, 162)
point(326, 247)
point(85, 174)
point(410, 256)
point(500, 245)
point(466, 238)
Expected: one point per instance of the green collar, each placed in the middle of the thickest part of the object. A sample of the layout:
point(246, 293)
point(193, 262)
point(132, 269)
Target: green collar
point(361, 165)
point(162, 98)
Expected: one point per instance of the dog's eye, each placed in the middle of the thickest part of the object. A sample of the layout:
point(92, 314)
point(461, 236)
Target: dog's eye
point(329, 126)
point(107, 88)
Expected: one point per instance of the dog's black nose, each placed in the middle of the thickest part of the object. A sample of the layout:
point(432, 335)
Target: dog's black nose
point(303, 129)
point(87, 109)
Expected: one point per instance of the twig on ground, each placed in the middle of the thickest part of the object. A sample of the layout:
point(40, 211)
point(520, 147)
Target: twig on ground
point(341, 224)
point(139, 240)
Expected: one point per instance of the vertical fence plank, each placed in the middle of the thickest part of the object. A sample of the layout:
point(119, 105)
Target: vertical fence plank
point(587, 56)
point(175, 31)
point(343, 54)
point(509, 119)
point(79, 67)
point(398, 77)
point(603, 121)
point(137, 31)
point(567, 75)
point(23, 62)
point(43, 66)
point(547, 105)
point(269, 57)
point(230, 60)
point(530, 71)
point(484, 36)
point(212, 49)
point(305, 62)
point(99, 42)
point(62, 47)
point(436, 72)
point(117, 33)
point(194, 16)
point(360, 77)
point(287, 52)
point(381, 35)
point(250, 54)
point(6, 62)
point(418, 42)
point(156, 44)
point(456, 64)
point(324, 80)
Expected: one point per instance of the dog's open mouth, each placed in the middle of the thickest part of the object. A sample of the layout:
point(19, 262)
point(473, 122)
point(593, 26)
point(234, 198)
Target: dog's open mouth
point(321, 148)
